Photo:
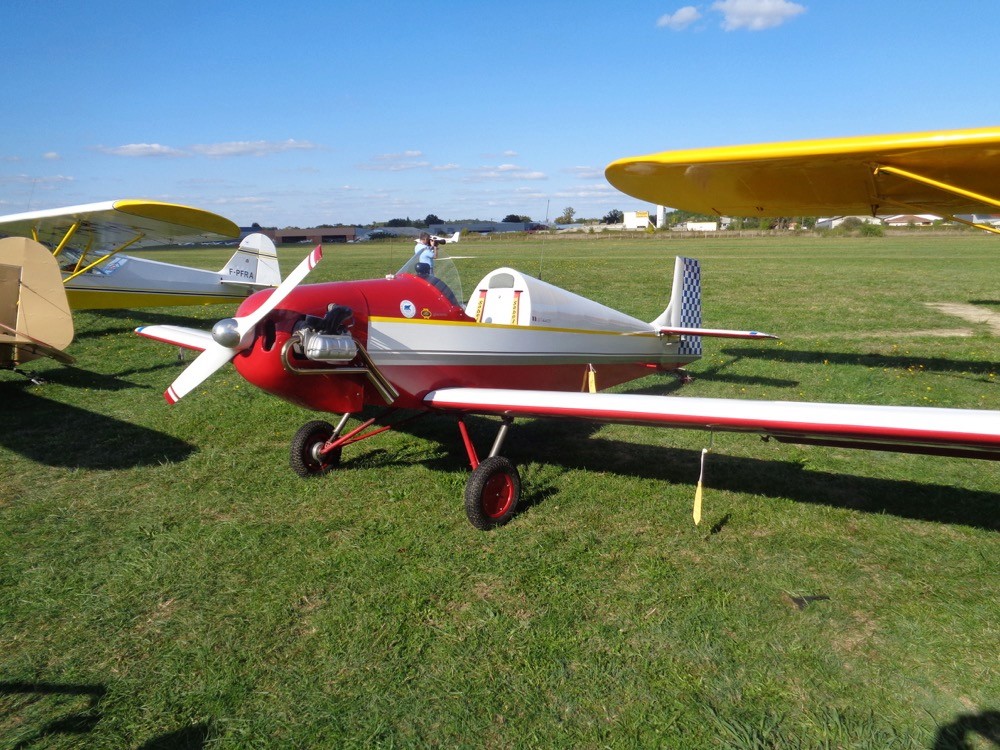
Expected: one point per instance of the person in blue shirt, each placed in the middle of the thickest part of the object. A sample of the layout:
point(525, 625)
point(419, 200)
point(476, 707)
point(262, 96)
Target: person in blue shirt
point(426, 252)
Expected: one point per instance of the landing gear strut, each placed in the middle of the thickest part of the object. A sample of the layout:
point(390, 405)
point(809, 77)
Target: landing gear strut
point(317, 446)
point(494, 487)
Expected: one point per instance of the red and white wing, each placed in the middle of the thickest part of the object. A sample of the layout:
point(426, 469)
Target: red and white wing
point(909, 429)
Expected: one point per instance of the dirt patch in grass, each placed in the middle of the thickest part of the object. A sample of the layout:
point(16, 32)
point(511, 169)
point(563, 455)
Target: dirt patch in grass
point(937, 332)
point(971, 313)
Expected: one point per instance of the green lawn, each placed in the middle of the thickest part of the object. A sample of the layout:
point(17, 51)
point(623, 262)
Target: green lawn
point(167, 581)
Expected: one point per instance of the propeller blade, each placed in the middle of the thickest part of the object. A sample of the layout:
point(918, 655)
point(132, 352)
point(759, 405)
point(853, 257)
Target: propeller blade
point(246, 323)
point(210, 360)
point(216, 354)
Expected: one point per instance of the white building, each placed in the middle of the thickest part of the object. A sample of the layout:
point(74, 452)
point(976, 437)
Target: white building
point(832, 222)
point(697, 226)
point(636, 219)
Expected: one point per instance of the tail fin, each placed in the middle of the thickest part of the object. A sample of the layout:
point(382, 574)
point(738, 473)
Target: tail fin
point(35, 318)
point(254, 263)
point(684, 310)
point(455, 237)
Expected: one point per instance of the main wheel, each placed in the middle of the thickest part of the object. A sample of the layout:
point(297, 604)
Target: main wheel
point(304, 458)
point(492, 493)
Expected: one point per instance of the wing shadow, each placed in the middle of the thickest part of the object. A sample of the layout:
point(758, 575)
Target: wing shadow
point(78, 722)
point(571, 444)
point(879, 361)
point(62, 435)
point(76, 377)
point(104, 322)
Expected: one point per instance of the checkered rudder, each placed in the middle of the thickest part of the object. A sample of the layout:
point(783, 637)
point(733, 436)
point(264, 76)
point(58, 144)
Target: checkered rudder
point(690, 306)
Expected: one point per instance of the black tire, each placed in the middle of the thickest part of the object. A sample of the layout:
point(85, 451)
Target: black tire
point(305, 445)
point(492, 493)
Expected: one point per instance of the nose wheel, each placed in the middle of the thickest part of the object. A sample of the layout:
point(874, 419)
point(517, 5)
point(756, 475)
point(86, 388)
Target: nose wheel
point(307, 457)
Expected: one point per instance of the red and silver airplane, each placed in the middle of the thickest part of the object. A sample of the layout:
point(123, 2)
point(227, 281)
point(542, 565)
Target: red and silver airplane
point(519, 347)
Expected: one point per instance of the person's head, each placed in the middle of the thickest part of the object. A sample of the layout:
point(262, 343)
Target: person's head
point(425, 238)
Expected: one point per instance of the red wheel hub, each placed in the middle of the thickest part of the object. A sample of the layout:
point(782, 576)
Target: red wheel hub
point(497, 495)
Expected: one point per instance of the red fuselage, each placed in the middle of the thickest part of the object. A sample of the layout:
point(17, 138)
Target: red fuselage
point(444, 347)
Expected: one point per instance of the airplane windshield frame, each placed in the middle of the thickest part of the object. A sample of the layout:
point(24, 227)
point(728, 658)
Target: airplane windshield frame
point(445, 273)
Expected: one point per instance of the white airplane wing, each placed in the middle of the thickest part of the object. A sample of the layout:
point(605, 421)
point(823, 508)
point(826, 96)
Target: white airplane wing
point(948, 432)
point(113, 225)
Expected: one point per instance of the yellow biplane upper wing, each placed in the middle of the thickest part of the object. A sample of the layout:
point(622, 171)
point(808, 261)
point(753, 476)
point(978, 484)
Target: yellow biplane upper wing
point(940, 172)
point(114, 225)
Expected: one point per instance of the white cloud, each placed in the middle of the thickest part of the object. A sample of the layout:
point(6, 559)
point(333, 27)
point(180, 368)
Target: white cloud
point(249, 200)
point(51, 156)
point(505, 172)
point(586, 173)
point(251, 148)
point(397, 162)
point(24, 179)
point(756, 15)
point(141, 150)
point(679, 19)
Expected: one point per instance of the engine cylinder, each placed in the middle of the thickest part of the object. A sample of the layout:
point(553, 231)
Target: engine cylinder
point(322, 347)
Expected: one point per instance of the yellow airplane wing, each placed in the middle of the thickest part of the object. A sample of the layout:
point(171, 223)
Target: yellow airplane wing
point(112, 226)
point(944, 172)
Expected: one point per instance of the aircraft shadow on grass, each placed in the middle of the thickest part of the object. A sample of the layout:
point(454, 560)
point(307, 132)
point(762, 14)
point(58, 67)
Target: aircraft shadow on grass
point(878, 361)
point(569, 444)
point(76, 722)
point(57, 434)
point(85, 719)
point(76, 377)
point(957, 734)
point(124, 322)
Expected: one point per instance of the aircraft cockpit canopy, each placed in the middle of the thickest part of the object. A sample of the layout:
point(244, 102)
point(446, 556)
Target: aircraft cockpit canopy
point(444, 275)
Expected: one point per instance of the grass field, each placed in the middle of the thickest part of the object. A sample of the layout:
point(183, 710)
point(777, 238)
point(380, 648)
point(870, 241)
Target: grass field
point(166, 581)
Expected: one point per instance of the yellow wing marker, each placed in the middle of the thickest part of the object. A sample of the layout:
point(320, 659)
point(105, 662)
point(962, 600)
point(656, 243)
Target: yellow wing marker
point(590, 380)
point(696, 511)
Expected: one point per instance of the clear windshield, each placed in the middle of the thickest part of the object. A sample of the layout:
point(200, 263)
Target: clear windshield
point(69, 261)
point(444, 275)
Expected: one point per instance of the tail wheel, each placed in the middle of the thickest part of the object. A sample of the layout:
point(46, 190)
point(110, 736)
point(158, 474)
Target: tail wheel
point(492, 493)
point(305, 458)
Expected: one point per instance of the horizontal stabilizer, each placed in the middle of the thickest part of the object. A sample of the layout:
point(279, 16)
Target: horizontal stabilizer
point(188, 338)
point(9, 337)
point(34, 312)
point(717, 332)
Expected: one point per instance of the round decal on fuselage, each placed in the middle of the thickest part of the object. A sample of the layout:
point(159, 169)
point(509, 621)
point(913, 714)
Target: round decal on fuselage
point(407, 308)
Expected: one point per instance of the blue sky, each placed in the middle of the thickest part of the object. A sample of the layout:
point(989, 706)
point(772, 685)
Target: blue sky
point(300, 113)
